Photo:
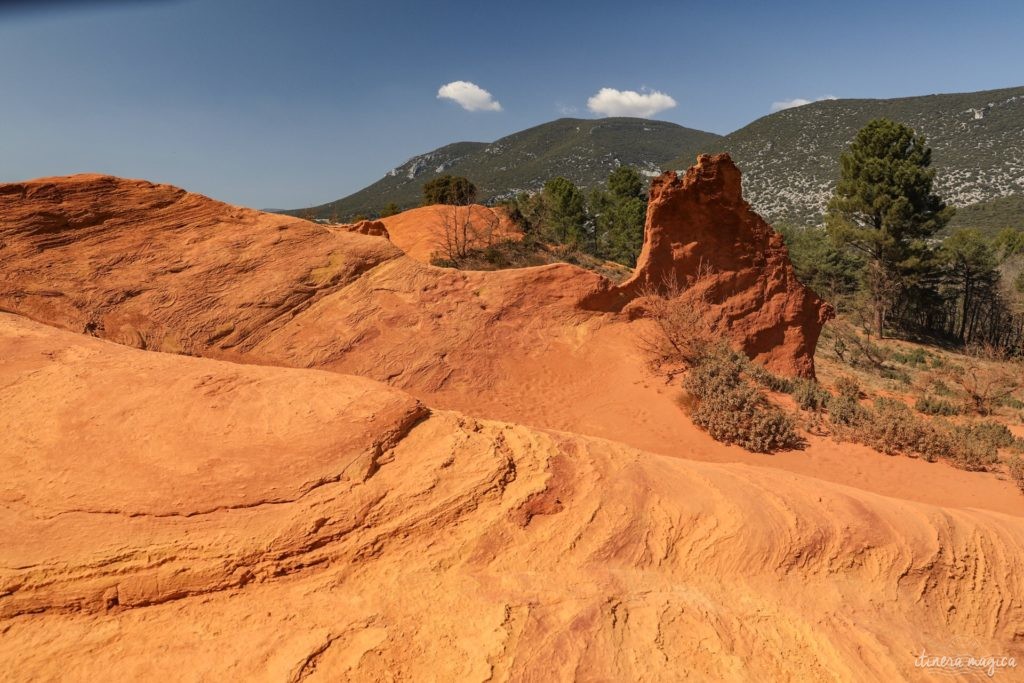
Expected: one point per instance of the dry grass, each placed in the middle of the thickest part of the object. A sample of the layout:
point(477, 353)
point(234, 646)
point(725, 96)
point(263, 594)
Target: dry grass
point(922, 400)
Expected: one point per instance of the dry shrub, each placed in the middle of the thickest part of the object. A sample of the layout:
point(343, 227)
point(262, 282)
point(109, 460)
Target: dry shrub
point(855, 349)
point(460, 232)
point(731, 409)
point(987, 378)
point(683, 332)
point(809, 395)
point(844, 408)
point(1015, 466)
point(992, 434)
point(933, 405)
point(891, 427)
point(721, 397)
point(771, 381)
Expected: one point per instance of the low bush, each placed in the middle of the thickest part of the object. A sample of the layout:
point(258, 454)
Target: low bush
point(992, 434)
point(844, 408)
point(731, 409)
point(683, 335)
point(987, 378)
point(968, 452)
point(770, 380)
point(857, 350)
point(891, 427)
point(1011, 402)
point(1015, 466)
point(810, 395)
point(848, 387)
point(915, 357)
point(895, 374)
point(932, 405)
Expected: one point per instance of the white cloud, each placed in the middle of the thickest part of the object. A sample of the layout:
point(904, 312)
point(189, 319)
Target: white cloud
point(469, 96)
point(798, 102)
point(612, 102)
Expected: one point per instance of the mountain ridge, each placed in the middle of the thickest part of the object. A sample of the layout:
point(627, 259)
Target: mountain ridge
point(583, 150)
point(790, 158)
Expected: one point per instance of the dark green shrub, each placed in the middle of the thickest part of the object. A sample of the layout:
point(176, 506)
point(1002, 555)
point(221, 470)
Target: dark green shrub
point(895, 374)
point(844, 408)
point(915, 358)
point(892, 428)
point(989, 433)
point(848, 387)
point(714, 372)
point(449, 189)
point(1011, 402)
point(941, 388)
point(969, 453)
point(742, 416)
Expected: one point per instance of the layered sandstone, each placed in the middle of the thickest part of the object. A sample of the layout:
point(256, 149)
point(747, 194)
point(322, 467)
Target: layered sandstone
point(161, 269)
point(517, 498)
point(220, 521)
point(155, 267)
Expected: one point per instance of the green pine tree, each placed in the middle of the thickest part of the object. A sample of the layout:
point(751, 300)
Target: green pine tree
point(619, 213)
point(565, 216)
point(390, 210)
point(827, 269)
point(972, 268)
point(449, 189)
point(884, 210)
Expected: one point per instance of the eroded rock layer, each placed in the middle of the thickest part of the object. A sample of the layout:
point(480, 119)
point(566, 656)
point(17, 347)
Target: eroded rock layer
point(235, 522)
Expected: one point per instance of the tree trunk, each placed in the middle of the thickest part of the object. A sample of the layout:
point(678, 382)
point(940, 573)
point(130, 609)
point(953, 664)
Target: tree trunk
point(879, 319)
point(966, 309)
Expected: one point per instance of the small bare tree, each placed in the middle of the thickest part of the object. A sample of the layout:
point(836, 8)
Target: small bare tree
point(988, 377)
point(461, 231)
point(853, 348)
point(683, 332)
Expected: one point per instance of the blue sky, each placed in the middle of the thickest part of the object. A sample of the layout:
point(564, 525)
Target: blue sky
point(288, 104)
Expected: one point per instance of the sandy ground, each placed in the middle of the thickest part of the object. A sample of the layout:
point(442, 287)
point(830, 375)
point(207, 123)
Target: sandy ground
point(224, 521)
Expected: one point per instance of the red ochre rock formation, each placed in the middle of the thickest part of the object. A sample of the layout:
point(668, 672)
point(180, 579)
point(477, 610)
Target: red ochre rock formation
point(702, 239)
point(420, 232)
point(159, 268)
